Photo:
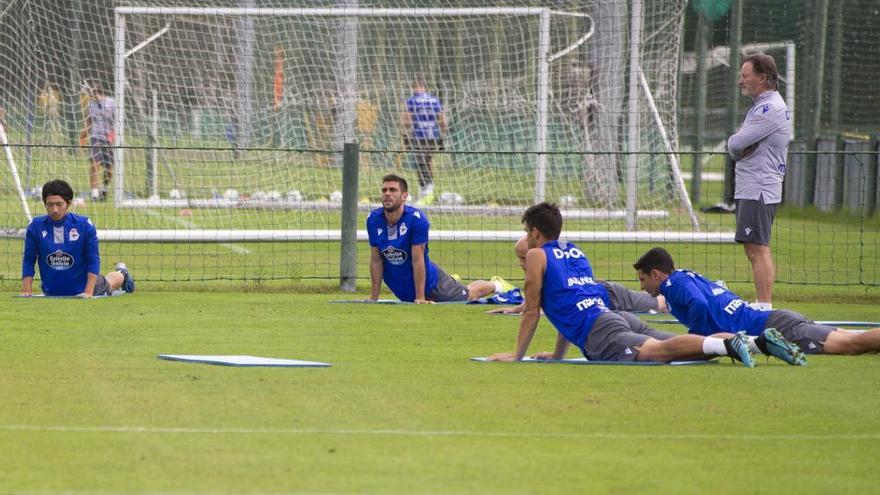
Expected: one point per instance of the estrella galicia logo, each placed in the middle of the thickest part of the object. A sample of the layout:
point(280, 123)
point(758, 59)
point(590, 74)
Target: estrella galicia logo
point(59, 260)
point(394, 256)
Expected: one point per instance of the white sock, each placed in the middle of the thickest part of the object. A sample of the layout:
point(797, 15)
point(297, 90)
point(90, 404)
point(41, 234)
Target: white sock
point(95, 193)
point(762, 306)
point(498, 288)
point(429, 189)
point(754, 347)
point(713, 346)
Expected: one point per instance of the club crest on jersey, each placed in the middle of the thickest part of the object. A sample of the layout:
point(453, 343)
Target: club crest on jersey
point(394, 256)
point(74, 235)
point(403, 229)
point(59, 260)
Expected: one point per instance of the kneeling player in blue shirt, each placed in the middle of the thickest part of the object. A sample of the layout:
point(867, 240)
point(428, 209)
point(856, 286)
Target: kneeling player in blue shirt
point(707, 309)
point(65, 246)
point(398, 235)
point(560, 281)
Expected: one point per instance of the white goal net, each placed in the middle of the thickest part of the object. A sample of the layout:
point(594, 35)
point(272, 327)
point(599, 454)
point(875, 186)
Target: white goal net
point(230, 120)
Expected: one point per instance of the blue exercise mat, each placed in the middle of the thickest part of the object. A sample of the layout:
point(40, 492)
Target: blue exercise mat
point(583, 361)
point(391, 301)
point(830, 323)
point(44, 296)
point(243, 361)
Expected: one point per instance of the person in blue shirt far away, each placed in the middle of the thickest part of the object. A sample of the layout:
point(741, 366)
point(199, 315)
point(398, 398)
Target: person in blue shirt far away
point(424, 125)
point(560, 281)
point(65, 247)
point(707, 308)
point(398, 235)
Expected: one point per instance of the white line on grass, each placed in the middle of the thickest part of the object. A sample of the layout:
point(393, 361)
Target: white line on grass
point(191, 225)
point(439, 433)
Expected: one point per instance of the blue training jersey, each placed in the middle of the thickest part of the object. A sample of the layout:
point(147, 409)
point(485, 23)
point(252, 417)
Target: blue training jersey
point(395, 244)
point(66, 252)
point(707, 308)
point(425, 110)
point(570, 297)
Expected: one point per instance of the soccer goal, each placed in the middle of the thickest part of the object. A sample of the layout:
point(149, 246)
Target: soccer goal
point(245, 110)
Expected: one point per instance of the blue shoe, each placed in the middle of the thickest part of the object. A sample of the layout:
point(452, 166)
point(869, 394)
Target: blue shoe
point(127, 280)
point(774, 344)
point(738, 349)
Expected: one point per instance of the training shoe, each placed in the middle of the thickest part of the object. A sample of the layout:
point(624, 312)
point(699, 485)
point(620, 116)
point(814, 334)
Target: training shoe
point(773, 343)
point(504, 284)
point(738, 349)
point(127, 279)
point(456, 277)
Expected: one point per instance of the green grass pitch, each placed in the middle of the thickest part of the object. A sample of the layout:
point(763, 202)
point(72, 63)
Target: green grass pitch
point(87, 408)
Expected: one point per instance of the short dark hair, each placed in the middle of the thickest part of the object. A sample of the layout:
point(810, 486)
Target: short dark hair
point(655, 259)
point(546, 218)
point(404, 187)
point(764, 64)
point(58, 187)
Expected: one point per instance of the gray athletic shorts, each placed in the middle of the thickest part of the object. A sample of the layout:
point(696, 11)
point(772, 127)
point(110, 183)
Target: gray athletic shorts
point(101, 151)
point(447, 289)
point(754, 220)
point(623, 299)
point(796, 328)
point(102, 288)
point(616, 335)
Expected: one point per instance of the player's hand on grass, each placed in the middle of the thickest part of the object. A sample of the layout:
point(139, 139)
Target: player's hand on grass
point(543, 355)
point(84, 295)
point(503, 356)
point(26, 294)
point(423, 301)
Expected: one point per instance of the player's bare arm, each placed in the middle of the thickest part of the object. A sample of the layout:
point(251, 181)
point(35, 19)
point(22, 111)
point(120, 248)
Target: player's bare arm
point(375, 273)
point(419, 273)
point(536, 264)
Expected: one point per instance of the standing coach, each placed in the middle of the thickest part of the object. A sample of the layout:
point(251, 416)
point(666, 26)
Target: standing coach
point(760, 149)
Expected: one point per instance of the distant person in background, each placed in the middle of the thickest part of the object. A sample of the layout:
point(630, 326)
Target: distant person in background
point(100, 133)
point(424, 126)
point(65, 247)
point(760, 149)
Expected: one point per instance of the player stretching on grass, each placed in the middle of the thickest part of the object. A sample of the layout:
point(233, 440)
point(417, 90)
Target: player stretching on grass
point(65, 246)
point(560, 281)
point(398, 236)
point(707, 309)
point(621, 298)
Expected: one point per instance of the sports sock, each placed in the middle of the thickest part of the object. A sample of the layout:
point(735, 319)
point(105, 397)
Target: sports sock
point(95, 193)
point(755, 347)
point(498, 288)
point(762, 306)
point(713, 346)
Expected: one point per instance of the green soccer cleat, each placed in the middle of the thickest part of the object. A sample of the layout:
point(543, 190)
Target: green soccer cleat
point(504, 284)
point(772, 342)
point(738, 349)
